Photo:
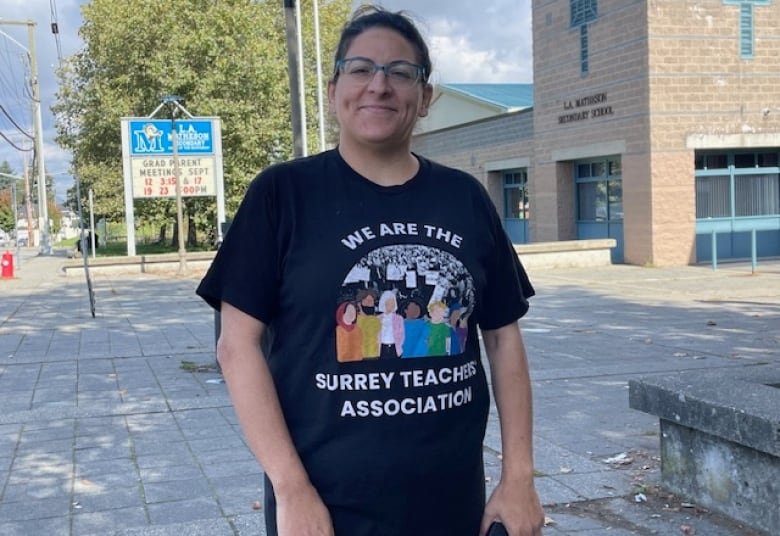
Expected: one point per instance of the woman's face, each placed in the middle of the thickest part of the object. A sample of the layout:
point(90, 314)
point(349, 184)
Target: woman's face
point(378, 113)
point(349, 314)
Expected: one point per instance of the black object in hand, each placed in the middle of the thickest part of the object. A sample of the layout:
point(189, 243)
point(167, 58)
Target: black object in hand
point(497, 529)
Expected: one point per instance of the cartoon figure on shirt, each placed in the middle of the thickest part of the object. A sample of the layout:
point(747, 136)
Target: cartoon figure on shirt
point(458, 322)
point(391, 332)
point(439, 338)
point(368, 323)
point(416, 331)
point(349, 338)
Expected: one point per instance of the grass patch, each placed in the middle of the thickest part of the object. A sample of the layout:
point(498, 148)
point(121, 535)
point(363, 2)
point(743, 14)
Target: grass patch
point(119, 249)
point(191, 366)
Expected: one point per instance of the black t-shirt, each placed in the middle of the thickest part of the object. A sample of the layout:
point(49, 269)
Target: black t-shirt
point(372, 296)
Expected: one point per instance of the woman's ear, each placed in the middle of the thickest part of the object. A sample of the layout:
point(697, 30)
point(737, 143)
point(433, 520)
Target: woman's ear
point(332, 96)
point(427, 95)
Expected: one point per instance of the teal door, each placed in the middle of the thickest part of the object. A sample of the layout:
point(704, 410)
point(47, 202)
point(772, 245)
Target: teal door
point(600, 201)
point(515, 184)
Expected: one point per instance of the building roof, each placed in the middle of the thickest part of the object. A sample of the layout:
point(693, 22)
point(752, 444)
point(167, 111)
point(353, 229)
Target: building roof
point(507, 96)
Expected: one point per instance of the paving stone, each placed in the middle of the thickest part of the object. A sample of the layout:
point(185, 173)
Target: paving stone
point(171, 473)
point(106, 521)
point(35, 509)
point(58, 526)
point(177, 490)
point(188, 510)
point(97, 498)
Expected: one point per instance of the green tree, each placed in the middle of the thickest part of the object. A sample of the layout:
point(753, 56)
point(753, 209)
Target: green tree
point(226, 59)
point(6, 205)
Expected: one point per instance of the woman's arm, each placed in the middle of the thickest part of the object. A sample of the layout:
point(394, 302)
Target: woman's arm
point(300, 510)
point(514, 501)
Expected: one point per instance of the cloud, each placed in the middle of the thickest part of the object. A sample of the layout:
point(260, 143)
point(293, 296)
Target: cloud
point(489, 44)
point(15, 76)
point(458, 61)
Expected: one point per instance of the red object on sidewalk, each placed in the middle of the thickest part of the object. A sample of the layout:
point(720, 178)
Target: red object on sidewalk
point(8, 265)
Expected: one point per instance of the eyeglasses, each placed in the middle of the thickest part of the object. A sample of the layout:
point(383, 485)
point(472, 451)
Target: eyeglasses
point(398, 73)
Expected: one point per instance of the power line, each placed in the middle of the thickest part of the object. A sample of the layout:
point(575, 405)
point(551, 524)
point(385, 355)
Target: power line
point(20, 129)
point(12, 144)
point(55, 29)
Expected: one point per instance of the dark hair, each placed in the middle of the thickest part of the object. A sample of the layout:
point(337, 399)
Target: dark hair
point(370, 16)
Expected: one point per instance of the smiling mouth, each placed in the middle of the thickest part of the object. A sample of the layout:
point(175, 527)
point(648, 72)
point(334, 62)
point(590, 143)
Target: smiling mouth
point(377, 108)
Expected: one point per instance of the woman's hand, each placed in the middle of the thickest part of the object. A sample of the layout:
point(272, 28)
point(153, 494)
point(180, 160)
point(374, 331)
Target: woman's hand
point(302, 513)
point(517, 506)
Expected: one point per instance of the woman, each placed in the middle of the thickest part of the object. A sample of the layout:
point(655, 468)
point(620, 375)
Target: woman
point(389, 447)
point(349, 339)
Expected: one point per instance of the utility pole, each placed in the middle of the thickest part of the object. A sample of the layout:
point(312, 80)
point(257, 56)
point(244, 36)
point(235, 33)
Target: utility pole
point(43, 208)
point(43, 195)
point(295, 71)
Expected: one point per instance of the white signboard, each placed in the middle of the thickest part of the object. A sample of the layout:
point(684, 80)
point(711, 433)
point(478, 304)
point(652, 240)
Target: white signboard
point(150, 168)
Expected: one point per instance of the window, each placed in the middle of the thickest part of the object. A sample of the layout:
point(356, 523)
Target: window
point(584, 66)
point(516, 195)
point(757, 195)
point(712, 197)
point(712, 161)
point(746, 30)
point(583, 12)
point(615, 198)
point(599, 190)
point(592, 201)
point(766, 159)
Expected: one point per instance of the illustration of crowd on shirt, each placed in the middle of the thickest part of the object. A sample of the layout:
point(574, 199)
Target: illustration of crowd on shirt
point(404, 301)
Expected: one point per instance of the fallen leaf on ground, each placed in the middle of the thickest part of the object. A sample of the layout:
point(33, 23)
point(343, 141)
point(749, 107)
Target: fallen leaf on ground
point(687, 530)
point(621, 459)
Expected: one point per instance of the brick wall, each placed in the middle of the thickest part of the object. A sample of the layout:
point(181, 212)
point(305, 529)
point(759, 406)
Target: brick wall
point(700, 85)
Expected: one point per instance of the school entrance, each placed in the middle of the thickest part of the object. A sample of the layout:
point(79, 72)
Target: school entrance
point(599, 184)
point(515, 184)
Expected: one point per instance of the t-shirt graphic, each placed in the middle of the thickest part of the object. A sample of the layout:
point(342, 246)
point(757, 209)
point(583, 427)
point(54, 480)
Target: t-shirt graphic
point(404, 301)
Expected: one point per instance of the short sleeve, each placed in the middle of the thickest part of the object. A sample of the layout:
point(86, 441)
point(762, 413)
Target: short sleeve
point(245, 271)
point(507, 289)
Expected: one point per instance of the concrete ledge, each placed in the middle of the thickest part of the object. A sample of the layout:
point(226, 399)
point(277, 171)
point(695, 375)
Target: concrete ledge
point(566, 253)
point(139, 264)
point(736, 405)
point(720, 438)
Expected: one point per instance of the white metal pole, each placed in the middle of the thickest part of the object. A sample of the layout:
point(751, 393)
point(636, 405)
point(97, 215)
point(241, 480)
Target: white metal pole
point(179, 209)
point(92, 223)
point(301, 85)
point(320, 106)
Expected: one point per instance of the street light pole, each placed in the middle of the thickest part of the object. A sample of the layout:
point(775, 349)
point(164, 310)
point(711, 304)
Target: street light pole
point(295, 74)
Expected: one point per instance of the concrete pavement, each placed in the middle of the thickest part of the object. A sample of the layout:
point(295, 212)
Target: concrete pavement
point(119, 425)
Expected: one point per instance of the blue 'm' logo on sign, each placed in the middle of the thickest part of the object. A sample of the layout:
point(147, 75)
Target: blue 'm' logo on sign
point(153, 137)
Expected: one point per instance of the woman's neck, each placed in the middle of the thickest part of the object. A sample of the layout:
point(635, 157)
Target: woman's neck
point(384, 167)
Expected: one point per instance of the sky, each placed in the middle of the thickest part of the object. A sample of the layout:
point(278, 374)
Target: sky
point(469, 42)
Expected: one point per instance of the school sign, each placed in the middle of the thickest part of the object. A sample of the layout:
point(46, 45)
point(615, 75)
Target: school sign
point(150, 169)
